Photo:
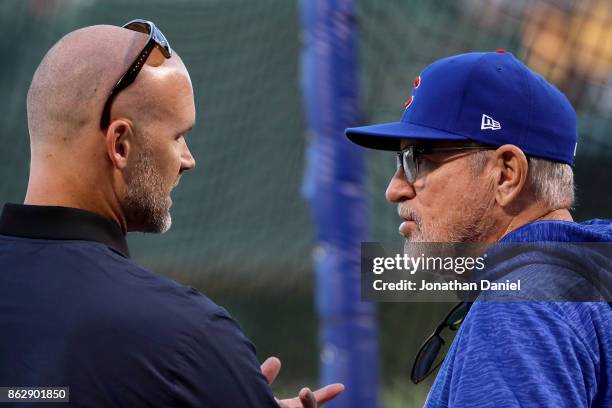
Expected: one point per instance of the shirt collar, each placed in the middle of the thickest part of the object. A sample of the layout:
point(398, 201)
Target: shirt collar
point(51, 222)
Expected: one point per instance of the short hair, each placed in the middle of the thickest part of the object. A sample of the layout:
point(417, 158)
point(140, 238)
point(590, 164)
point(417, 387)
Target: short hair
point(552, 182)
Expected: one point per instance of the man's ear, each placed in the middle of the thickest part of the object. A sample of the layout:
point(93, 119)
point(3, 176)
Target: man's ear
point(511, 168)
point(119, 142)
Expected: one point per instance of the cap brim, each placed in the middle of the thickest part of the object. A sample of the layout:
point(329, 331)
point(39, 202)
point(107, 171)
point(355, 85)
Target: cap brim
point(387, 136)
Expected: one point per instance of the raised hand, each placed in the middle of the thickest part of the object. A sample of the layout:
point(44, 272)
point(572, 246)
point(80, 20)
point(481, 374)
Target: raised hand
point(306, 398)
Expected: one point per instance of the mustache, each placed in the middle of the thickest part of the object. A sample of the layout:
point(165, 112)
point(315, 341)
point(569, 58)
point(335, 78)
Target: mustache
point(410, 213)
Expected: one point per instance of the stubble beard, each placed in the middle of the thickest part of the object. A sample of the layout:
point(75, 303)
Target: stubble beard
point(472, 226)
point(147, 201)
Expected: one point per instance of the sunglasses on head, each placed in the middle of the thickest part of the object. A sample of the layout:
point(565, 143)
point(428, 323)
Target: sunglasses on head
point(425, 360)
point(156, 39)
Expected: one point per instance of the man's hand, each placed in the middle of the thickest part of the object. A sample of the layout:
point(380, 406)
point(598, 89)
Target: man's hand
point(306, 398)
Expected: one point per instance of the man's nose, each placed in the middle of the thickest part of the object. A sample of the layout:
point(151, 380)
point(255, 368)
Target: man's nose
point(187, 160)
point(399, 189)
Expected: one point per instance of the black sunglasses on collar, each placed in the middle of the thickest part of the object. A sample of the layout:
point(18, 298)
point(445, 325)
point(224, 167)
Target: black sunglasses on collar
point(156, 38)
point(425, 360)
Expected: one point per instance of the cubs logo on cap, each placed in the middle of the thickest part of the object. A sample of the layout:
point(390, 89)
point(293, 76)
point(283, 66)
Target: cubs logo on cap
point(415, 83)
point(408, 102)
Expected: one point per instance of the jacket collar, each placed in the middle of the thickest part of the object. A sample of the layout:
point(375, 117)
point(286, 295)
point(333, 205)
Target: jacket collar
point(51, 222)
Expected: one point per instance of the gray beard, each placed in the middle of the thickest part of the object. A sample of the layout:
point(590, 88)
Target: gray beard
point(146, 202)
point(473, 226)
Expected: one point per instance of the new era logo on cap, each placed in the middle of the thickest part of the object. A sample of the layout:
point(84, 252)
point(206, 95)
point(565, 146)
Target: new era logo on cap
point(489, 123)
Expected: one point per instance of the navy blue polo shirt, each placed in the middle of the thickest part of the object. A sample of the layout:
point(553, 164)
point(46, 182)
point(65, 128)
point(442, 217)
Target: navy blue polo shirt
point(76, 311)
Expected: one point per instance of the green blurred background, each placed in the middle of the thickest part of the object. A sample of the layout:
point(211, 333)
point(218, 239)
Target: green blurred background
point(241, 230)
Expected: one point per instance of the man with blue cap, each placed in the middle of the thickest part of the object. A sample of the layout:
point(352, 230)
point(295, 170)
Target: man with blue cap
point(485, 153)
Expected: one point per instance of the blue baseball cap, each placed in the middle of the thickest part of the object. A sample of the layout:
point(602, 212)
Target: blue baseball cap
point(488, 97)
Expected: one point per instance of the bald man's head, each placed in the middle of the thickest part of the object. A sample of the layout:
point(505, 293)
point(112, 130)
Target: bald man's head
point(75, 77)
point(137, 160)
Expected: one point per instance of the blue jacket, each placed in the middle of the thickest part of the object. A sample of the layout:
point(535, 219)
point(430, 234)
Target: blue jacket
point(535, 353)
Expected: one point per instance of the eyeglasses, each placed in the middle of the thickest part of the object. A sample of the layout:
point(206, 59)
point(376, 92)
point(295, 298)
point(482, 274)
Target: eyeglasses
point(408, 158)
point(429, 351)
point(156, 38)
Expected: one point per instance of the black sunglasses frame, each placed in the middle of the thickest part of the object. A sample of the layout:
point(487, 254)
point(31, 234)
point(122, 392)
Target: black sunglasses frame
point(424, 361)
point(156, 38)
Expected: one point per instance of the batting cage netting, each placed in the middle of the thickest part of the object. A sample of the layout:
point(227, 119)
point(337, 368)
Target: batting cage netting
point(242, 231)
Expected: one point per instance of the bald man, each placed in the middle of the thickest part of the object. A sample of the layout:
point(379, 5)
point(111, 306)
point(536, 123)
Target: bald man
point(108, 111)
